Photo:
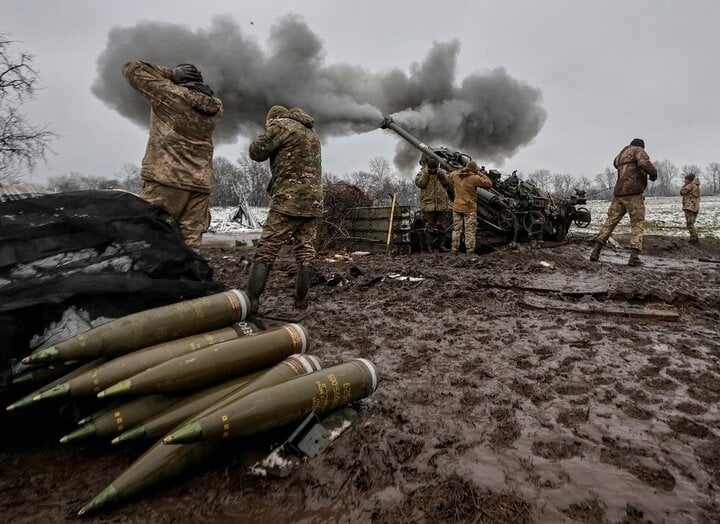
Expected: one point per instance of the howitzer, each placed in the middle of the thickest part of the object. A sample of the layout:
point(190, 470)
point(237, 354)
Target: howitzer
point(513, 209)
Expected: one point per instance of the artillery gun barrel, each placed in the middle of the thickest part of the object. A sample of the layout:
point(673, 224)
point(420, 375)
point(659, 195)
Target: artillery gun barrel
point(389, 123)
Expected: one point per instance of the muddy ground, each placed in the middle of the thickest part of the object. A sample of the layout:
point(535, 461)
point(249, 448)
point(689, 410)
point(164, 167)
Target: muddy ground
point(488, 409)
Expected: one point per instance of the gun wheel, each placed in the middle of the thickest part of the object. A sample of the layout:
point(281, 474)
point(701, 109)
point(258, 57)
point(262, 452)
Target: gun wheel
point(582, 219)
point(506, 220)
point(534, 222)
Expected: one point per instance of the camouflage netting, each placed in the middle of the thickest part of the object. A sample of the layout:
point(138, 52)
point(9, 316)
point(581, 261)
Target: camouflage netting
point(339, 198)
point(97, 254)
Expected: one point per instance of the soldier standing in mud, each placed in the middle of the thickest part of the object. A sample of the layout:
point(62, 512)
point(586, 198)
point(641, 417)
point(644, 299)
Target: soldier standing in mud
point(433, 183)
point(465, 183)
point(177, 170)
point(690, 192)
point(296, 194)
point(633, 169)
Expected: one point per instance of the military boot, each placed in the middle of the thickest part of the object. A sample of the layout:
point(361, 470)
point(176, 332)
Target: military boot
point(597, 248)
point(256, 284)
point(634, 258)
point(302, 285)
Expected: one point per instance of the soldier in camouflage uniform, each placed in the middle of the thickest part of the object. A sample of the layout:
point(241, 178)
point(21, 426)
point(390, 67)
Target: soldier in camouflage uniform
point(633, 169)
point(433, 183)
point(296, 194)
point(177, 169)
point(690, 192)
point(465, 183)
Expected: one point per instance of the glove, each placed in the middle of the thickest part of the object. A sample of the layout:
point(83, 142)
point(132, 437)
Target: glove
point(653, 178)
point(185, 73)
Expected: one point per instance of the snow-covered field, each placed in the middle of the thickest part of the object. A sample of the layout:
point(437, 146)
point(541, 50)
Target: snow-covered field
point(663, 216)
point(221, 219)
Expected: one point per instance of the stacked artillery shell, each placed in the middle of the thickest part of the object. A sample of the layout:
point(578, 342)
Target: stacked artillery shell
point(44, 374)
point(149, 327)
point(128, 415)
point(279, 405)
point(163, 462)
point(162, 422)
point(27, 400)
point(216, 363)
point(125, 366)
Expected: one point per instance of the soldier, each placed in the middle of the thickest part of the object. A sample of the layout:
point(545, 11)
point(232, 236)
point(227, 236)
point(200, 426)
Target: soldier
point(433, 183)
point(690, 192)
point(177, 169)
point(465, 182)
point(296, 194)
point(633, 169)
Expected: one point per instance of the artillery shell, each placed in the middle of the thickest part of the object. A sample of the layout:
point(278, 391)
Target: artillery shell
point(117, 420)
point(276, 406)
point(216, 363)
point(125, 366)
point(146, 328)
point(27, 400)
point(162, 462)
point(162, 422)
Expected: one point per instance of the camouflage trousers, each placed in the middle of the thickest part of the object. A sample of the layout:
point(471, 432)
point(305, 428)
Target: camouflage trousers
point(467, 222)
point(191, 209)
point(277, 231)
point(633, 205)
point(690, 217)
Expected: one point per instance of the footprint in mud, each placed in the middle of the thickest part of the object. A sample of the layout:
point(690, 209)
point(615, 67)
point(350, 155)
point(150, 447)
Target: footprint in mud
point(633, 410)
point(507, 429)
point(573, 417)
point(688, 427)
point(557, 449)
point(660, 384)
point(691, 408)
point(591, 511)
point(404, 448)
point(708, 454)
point(659, 478)
point(571, 388)
point(455, 499)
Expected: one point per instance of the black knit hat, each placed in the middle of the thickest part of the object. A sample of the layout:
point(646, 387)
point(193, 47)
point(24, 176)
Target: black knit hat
point(432, 163)
point(639, 142)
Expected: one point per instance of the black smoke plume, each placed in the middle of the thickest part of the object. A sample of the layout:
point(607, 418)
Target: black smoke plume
point(489, 115)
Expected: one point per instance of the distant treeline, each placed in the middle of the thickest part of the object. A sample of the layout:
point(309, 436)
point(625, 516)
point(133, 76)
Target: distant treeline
point(245, 179)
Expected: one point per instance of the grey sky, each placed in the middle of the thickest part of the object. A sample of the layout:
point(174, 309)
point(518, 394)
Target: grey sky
point(608, 71)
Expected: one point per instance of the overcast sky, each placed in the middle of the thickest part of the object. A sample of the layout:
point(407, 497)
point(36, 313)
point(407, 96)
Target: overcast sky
point(608, 71)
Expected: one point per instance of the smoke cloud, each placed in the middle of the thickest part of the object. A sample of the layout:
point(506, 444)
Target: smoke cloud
point(489, 115)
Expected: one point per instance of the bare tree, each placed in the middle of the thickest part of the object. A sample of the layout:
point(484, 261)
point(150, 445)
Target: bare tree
point(666, 172)
point(75, 181)
point(226, 173)
point(128, 178)
point(713, 171)
point(255, 180)
point(562, 184)
point(541, 178)
point(22, 144)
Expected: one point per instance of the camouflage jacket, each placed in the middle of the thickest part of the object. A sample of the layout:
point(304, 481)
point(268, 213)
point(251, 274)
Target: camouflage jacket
point(466, 188)
point(691, 196)
point(179, 150)
point(633, 166)
point(295, 163)
point(433, 192)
